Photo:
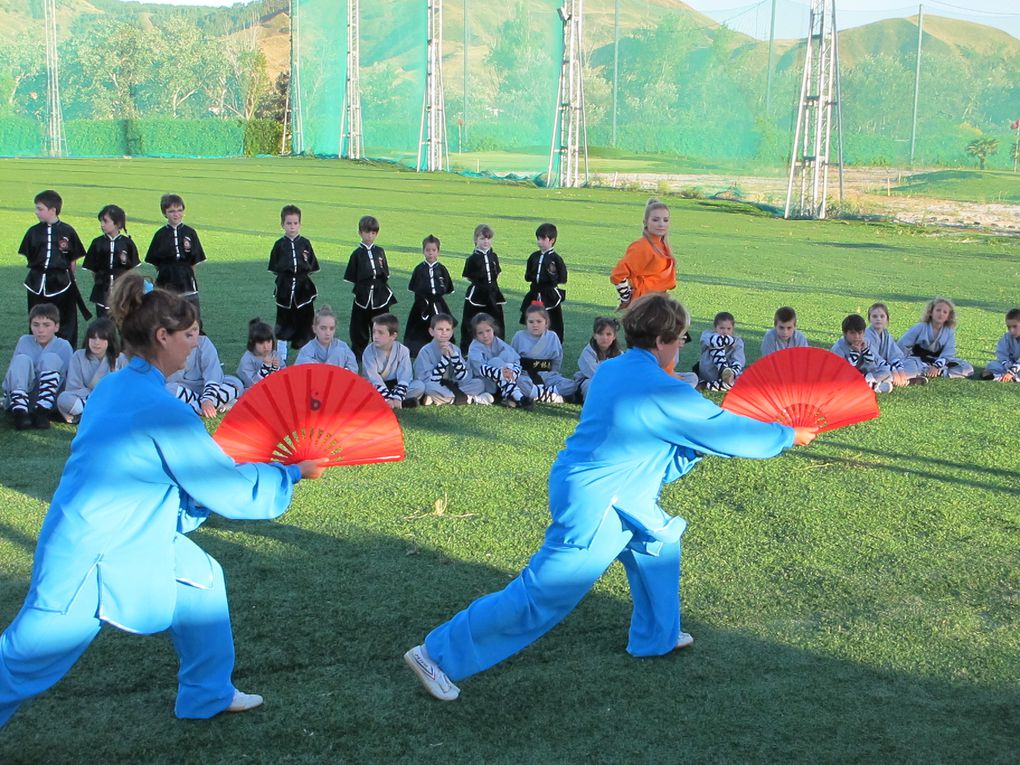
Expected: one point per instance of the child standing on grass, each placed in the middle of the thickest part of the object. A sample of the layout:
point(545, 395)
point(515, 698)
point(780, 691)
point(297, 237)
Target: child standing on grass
point(784, 333)
point(541, 358)
point(483, 295)
point(175, 251)
point(37, 370)
point(905, 370)
point(648, 265)
point(854, 348)
point(387, 365)
point(261, 358)
point(51, 247)
point(110, 255)
point(932, 341)
point(545, 271)
point(369, 272)
point(722, 354)
point(88, 366)
point(441, 367)
point(326, 349)
point(602, 345)
point(430, 281)
point(1006, 367)
point(496, 363)
point(293, 260)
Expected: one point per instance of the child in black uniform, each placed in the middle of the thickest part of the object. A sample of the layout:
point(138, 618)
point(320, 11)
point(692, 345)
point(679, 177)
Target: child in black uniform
point(429, 282)
point(51, 247)
point(292, 260)
point(545, 270)
point(483, 295)
point(110, 255)
point(369, 272)
point(175, 251)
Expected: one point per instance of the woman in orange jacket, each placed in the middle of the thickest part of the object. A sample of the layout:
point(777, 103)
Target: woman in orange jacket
point(648, 265)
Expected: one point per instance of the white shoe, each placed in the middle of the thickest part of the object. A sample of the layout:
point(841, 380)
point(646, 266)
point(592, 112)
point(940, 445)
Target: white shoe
point(728, 376)
point(431, 676)
point(242, 702)
point(883, 387)
point(683, 640)
point(485, 399)
point(426, 400)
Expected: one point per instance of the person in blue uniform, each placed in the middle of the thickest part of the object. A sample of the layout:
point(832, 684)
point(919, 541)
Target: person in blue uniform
point(640, 429)
point(142, 471)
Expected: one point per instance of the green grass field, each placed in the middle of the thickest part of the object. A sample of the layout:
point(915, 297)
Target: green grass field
point(853, 601)
point(983, 186)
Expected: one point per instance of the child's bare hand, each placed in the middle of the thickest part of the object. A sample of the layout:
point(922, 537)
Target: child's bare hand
point(932, 371)
point(1007, 377)
point(208, 408)
point(395, 403)
point(508, 374)
point(312, 468)
point(804, 436)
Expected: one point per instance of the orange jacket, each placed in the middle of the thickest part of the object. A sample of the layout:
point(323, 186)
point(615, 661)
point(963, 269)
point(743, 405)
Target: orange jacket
point(648, 265)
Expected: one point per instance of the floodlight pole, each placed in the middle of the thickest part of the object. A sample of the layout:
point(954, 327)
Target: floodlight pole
point(819, 103)
point(570, 129)
point(351, 144)
point(56, 144)
point(433, 151)
point(917, 83)
point(297, 143)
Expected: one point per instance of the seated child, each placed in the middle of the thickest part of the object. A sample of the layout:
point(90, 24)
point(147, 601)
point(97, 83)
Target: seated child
point(932, 341)
point(541, 358)
point(262, 357)
point(441, 367)
point(722, 354)
point(1006, 367)
point(855, 350)
point(88, 366)
point(325, 348)
point(430, 282)
point(386, 364)
point(905, 370)
point(784, 334)
point(202, 384)
point(495, 363)
point(37, 370)
point(602, 345)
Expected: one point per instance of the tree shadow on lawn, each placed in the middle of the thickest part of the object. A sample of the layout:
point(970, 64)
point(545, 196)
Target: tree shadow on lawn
point(321, 620)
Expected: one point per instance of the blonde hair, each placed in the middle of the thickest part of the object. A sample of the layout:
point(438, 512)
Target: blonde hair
point(930, 306)
point(651, 206)
point(324, 312)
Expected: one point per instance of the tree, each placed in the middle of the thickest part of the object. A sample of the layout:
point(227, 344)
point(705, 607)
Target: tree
point(983, 148)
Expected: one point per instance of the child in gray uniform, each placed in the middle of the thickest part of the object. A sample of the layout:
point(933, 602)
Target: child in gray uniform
point(603, 345)
point(262, 357)
point(386, 364)
point(88, 366)
point(541, 358)
point(441, 367)
point(784, 333)
point(202, 384)
point(722, 354)
point(325, 348)
point(905, 369)
point(37, 369)
point(1006, 367)
point(855, 350)
point(932, 341)
point(495, 362)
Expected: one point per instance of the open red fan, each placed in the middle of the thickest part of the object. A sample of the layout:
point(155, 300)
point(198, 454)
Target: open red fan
point(808, 387)
point(311, 411)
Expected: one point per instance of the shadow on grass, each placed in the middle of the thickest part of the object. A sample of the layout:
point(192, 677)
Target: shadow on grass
point(322, 617)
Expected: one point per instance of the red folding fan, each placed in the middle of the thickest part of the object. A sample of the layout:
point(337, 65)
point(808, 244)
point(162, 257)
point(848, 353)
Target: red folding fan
point(311, 411)
point(808, 387)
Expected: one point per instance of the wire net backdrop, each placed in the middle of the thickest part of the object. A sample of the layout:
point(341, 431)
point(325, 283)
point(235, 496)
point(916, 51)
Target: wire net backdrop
point(659, 78)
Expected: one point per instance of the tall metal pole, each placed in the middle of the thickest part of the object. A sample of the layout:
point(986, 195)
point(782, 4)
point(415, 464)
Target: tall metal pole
point(56, 145)
point(917, 82)
point(772, 54)
point(464, 111)
point(433, 151)
point(351, 142)
point(616, 68)
point(297, 138)
point(569, 148)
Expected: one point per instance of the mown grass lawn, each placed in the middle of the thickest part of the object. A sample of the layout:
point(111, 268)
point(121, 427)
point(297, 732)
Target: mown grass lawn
point(853, 601)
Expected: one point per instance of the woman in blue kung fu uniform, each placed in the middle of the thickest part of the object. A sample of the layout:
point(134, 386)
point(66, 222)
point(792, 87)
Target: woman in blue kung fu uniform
point(142, 472)
point(640, 429)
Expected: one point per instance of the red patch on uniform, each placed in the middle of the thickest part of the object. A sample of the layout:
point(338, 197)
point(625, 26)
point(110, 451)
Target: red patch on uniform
point(64, 245)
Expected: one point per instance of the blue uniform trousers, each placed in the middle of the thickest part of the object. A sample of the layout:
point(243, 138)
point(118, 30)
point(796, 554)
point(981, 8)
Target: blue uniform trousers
point(40, 647)
point(555, 580)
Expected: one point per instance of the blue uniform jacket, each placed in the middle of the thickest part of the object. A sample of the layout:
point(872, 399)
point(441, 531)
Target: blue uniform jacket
point(640, 429)
point(139, 457)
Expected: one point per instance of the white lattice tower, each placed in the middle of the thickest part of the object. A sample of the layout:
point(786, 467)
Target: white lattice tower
point(56, 144)
point(807, 190)
point(568, 155)
point(297, 139)
point(433, 151)
point(351, 144)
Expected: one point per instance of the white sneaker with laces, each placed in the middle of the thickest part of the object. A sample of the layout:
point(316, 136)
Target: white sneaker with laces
point(431, 676)
point(485, 399)
point(683, 640)
point(242, 702)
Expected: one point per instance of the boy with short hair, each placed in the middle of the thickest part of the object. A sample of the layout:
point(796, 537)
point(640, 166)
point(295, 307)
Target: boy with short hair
point(1006, 367)
point(441, 367)
point(784, 333)
point(369, 272)
point(430, 282)
point(722, 354)
point(51, 247)
point(175, 251)
point(545, 271)
point(387, 365)
point(37, 369)
point(854, 348)
point(292, 259)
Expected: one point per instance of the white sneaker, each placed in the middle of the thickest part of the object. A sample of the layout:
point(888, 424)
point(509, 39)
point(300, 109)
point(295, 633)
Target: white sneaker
point(426, 400)
point(883, 387)
point(242, 702)
point(485, 399)
point(728, 376)
point(431, 676)
point(683, 640)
